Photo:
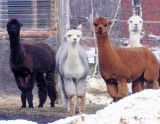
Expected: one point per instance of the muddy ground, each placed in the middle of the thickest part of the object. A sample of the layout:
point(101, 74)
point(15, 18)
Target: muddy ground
point(10, 108)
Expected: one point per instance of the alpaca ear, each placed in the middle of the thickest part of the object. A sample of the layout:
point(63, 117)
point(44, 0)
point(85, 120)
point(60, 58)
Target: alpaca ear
point(67, 27)
point(79, 27)
point(109, 23)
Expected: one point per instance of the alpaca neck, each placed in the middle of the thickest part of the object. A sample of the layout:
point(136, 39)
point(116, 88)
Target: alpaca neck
point(104, 46)
point(105, 51)
point(135, 39)
point(17, 55)
point(73, 54)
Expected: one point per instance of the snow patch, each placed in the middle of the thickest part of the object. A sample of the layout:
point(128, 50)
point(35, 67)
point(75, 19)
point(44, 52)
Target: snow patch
point(97, 84)
point(139, 108)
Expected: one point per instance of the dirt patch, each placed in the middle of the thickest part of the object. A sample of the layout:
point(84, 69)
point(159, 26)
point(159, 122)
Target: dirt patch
point(44, 115)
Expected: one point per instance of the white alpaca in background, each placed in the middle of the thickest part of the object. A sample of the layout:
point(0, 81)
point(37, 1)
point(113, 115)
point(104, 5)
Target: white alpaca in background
point(135, 27)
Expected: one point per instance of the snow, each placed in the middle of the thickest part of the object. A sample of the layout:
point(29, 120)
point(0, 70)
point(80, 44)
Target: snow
point(157, 54)
point(91, 54)
point(139, 108)
point(97, 92)
point(18, 121)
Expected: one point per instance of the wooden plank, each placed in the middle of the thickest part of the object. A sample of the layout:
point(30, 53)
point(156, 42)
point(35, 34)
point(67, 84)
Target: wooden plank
point(34, 14)
point(0, 15)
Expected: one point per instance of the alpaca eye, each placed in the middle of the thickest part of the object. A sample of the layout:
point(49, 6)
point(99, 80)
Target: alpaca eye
point(140, 21)
point(130, 21)
point(105, 25)
point(78, 35)
point(95, 25)
point(69, 35)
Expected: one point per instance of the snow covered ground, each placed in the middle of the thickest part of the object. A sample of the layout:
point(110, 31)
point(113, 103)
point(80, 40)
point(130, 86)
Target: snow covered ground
point(91, 54)
point(139, 108)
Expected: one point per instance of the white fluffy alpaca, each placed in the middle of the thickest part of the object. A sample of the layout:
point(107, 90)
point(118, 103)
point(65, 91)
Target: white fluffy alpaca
point(72, 65)
point(135, 27)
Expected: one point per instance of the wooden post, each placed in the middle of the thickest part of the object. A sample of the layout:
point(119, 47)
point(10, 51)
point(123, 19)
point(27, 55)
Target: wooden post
point(64, 19)
point(52, 13)
point(55, 14)
point(64, 23)
point(34, 3)
point(0, 15)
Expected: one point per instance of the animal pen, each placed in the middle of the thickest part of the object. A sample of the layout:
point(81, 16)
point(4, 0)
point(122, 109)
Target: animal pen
point(47, 20)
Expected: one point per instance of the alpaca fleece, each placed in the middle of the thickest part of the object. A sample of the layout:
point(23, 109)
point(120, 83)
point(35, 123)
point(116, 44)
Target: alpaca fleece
point(121, 65)
point(72, 65)
point(29, 63)
point(135, 27)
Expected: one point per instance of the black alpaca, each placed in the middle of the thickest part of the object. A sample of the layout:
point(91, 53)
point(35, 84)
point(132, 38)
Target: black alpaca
point(29, 63)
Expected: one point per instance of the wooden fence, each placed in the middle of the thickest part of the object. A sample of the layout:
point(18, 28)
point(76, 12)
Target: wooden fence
point(34, 14)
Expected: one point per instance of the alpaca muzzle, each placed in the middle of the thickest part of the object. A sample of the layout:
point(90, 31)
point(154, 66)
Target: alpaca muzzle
point(100, 30)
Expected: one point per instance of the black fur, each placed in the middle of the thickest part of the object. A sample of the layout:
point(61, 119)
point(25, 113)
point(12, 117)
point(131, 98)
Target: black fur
point(29, 62)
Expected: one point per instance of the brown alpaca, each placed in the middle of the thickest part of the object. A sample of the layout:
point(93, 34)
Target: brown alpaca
point(121, 65)
point(30, 63)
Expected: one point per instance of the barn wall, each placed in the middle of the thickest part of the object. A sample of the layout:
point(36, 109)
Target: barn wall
point(34, 14)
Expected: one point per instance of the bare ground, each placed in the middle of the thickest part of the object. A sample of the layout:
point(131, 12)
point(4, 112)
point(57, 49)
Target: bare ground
point(10, 107)
point(39, 115)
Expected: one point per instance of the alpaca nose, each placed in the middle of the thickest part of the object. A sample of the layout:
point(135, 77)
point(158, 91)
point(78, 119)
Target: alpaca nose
point(136, 24)
point(74, 40)
point(100, 29)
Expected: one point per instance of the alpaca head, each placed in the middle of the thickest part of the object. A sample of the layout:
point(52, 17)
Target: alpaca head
point(101, 26)
point(135, 24)
point(73, 36)
point(13, 27)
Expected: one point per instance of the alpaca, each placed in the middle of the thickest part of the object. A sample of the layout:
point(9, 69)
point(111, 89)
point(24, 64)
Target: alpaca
point(29, 62)
point(121, 65)
point(72, 65)
point(135, 27)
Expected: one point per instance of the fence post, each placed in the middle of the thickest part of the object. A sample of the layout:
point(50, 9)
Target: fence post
point(64, 23)
point(52, 13)
point(0, 14)
point(34, 4)
point(64, 19)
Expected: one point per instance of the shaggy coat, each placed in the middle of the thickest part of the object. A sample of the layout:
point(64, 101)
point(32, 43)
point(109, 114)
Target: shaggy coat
point(29, 62)
point(135, 27)
point(121, 65)
point(72, 65)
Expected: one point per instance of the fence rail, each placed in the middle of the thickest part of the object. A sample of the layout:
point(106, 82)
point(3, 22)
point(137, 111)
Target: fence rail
point(34, 14)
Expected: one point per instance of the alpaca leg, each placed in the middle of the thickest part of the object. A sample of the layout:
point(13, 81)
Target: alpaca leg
point(23, 99)
point(81, 102)
point(73, 100)
point(153, 85)
point(68, 105)
point(81, 91)
point(138, 85)
point(70, 93)
point(30, 85)
point(122, 89)
point(42, 89)
point(51, 86)
point(112, 90)
point(21, 83)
